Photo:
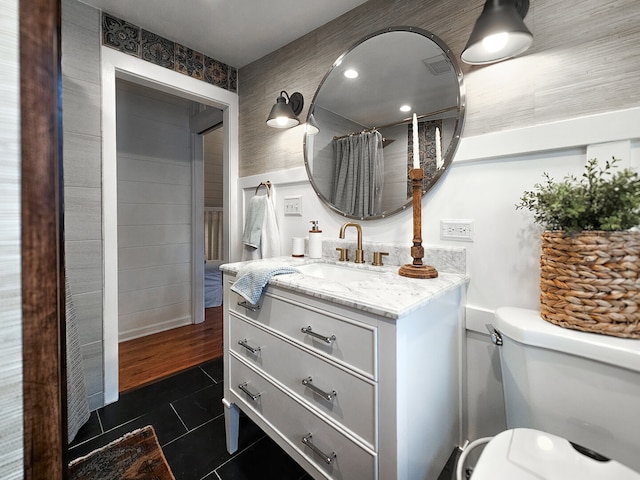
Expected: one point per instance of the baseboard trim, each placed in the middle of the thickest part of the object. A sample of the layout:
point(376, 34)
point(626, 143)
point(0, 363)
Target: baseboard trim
point(155, 328)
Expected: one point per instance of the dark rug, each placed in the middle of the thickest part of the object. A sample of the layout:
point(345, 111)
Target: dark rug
point(137, 455)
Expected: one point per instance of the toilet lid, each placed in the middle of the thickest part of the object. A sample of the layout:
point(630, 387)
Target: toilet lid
point(527, 454)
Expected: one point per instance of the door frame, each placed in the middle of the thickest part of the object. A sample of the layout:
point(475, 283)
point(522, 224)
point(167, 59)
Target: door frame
point(42, 242)
point(200, 123)
point(114, 65)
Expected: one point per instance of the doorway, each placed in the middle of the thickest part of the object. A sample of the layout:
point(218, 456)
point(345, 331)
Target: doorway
point(160, 162)
point(155, 201)
point(118, 66)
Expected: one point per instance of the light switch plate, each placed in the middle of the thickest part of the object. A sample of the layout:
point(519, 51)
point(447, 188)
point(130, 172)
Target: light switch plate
point(293, 205)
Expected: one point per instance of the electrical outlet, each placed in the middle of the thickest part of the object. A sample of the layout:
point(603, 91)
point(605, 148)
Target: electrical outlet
point(456, 230)
point(293, 205)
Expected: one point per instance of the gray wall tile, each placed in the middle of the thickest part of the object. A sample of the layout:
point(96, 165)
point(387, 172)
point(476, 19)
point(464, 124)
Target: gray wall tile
point(93, 367)
point(82, 160)
point(78, 53)
point(84, 265)
point(76, 13)
point(82, 157)
point(83, 213)
point(89, 314)
point(81, 106)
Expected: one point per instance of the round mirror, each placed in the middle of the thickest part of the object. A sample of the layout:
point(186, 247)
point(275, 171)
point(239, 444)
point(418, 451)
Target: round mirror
point(359, 156)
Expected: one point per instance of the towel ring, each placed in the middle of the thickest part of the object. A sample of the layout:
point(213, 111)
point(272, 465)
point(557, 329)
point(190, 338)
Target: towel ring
point(266, 184)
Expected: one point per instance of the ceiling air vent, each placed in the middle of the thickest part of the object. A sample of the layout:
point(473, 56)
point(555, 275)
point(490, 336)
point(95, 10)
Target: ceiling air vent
point(438, 65)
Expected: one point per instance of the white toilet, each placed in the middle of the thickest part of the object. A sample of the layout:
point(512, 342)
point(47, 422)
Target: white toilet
point(564, 384)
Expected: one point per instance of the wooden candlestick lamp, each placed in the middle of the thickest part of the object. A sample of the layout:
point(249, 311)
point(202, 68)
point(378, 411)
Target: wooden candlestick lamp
point(417, 269)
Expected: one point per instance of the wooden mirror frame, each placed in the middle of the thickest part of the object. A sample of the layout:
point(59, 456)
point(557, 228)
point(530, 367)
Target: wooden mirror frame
point(42, 242)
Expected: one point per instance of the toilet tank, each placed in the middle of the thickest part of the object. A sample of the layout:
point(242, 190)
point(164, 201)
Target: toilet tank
point(582, 386)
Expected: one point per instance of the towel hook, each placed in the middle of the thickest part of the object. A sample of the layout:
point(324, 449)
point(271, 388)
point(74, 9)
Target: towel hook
point(266, 184)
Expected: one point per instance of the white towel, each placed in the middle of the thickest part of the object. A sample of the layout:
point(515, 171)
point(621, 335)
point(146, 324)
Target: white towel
point(252, 278)
point(270, 240)
point(254, 221)
point(269, 244)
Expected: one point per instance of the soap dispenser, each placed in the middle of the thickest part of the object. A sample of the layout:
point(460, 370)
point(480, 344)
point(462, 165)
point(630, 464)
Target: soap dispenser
point(315, 240)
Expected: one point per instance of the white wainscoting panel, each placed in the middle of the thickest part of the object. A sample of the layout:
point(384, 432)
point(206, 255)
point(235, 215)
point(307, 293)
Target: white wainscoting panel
point(154, 211)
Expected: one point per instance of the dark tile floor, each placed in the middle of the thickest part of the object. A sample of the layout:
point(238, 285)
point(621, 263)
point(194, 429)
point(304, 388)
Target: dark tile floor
point(187, 414)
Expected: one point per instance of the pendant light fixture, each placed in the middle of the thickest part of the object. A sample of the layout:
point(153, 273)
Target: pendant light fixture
point(499, 33)
point(284, 114)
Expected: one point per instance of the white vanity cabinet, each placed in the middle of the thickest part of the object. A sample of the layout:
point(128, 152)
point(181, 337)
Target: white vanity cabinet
point(347, 393)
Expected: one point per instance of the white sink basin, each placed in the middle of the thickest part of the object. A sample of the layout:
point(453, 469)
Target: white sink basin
point(337, 273)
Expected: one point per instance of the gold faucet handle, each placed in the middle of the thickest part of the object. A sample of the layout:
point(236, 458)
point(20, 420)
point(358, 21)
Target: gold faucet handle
point(344, 254)
point(377, 258)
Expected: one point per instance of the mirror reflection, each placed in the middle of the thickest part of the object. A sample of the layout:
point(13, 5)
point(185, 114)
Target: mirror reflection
point(358, 162)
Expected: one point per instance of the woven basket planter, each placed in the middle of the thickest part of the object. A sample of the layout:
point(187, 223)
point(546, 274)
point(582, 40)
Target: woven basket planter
point(591, 282)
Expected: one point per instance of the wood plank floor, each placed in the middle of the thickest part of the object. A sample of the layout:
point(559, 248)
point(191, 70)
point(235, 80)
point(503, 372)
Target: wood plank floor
point(148, 359)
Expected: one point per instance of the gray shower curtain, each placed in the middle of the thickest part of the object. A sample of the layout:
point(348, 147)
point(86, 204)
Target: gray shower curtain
point(359, 174)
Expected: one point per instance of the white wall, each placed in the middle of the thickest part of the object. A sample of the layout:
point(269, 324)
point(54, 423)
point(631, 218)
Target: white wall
point(11, 451)
point(503, 259)
point(154, 211)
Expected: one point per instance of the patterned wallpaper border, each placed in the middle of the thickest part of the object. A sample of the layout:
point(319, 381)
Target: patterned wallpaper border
point(138, 42)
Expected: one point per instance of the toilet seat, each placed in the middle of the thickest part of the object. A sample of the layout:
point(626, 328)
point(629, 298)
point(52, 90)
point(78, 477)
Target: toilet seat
point(528, 454)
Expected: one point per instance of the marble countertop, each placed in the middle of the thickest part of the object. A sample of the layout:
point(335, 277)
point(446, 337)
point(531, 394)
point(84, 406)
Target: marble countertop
point(386, 293)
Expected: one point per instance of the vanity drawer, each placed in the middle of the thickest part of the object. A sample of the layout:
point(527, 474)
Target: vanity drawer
point(353, 398)
point(292, 422)
point(344, 340)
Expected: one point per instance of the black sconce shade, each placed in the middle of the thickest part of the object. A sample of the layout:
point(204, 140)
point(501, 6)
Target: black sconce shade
point(284, 114)
point(499, 33)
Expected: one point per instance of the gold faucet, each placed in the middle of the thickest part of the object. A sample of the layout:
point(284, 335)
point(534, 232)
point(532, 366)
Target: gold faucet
point(359, 252)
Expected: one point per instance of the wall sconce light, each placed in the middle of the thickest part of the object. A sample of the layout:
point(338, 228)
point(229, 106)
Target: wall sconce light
point(284, 114)
point(499, 33)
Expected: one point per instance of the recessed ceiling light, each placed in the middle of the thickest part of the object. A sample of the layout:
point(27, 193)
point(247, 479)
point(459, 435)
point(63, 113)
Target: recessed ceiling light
point(405, 108)
point(350, 73)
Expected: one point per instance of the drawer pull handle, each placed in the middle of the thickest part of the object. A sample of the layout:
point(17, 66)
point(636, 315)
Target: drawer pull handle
point(249, 306)
point(253, 396)
point(308, 330)
point(328, 459)
point(308, 382)
point(244, 343)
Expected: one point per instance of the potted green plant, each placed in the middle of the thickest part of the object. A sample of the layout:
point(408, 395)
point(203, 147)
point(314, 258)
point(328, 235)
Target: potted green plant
point(590, 258)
